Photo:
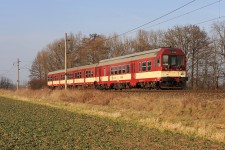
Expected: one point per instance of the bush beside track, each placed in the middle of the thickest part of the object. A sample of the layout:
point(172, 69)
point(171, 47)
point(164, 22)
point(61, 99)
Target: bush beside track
point(190, 113)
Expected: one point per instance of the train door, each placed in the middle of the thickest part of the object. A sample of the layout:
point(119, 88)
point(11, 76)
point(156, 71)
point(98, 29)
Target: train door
point(104, 74)
point(109, 72)
point(104, 71)
point(133, 74)
point(100, 74)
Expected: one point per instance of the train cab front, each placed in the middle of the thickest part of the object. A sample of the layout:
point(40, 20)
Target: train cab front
point(173, 70)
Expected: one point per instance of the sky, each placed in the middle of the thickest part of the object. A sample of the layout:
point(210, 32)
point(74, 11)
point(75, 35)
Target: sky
point(27, 26)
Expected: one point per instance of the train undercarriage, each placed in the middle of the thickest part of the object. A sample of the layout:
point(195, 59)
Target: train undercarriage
point(158, 85)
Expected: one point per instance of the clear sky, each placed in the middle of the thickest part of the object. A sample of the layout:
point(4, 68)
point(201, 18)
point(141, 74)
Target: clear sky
point(27, 26)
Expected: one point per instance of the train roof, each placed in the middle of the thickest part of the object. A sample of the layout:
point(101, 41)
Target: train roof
point(115, 60)
point(130, 57)
point(74, 68)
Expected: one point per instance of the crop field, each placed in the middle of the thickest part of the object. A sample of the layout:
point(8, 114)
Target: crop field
point(25, 125)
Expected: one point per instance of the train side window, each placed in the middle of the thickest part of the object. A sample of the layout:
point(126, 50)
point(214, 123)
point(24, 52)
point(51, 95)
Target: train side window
point(75, 75)
point(104, 71)
point(116, 68)
point(143, 66)
point(49, 78)
point(165, 60)
point(140, 68)
point(119, 69)
point(78, 75)
point(122, 69)
point(158, 62)
point(149, 65)
point(70, 76)
point(173, 60)
point(180, 60)
point(112, 70)
point(128, 68)
point(55, 78)
point(87, 73)
point(62, 77)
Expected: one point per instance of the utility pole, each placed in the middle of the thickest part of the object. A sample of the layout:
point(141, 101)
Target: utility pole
point(65, 61)
point(18, 74)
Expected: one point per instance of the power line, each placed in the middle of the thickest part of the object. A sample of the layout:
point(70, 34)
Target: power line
point(210, 4)
point(210, 20)
point(187, 13)
point(158, 18)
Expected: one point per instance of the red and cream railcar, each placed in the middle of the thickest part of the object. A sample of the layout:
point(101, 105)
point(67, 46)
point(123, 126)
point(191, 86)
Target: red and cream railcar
point(159, 68)
point(76, 77)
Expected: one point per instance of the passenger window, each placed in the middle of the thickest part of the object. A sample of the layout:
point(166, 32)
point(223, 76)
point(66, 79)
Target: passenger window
point(128, 68)
point(158, 62)
point(140, 68)
point(165, 60)
point(116, 70)
point(143, 66)
point(119, 70)
point(124, 69)
point(149, 65)
point(173, 60)
point(62, 76)
point(104, 72)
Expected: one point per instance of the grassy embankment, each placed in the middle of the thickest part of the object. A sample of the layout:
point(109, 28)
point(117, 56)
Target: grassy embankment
point(192, 114)
point(25, 125)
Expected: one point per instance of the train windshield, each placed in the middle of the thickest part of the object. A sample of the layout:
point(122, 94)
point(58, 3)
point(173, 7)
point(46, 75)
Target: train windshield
point(173, 60)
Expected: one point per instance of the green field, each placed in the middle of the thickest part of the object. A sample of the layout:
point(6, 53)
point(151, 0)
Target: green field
point(25, 125)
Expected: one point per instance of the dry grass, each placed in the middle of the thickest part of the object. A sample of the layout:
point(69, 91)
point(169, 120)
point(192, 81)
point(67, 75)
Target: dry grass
point(195, 114)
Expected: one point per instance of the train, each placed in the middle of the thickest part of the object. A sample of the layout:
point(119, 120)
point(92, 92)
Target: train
point(162, 68)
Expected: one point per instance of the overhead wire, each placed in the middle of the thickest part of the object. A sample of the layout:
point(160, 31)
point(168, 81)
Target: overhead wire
point(187, 13)
point(8, 72)
point(213, 19)
point(207, 5)
point(158, 18)
point(155, 19)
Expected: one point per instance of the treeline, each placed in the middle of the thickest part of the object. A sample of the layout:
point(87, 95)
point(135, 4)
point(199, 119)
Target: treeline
point(6, 83)
point(205, 52)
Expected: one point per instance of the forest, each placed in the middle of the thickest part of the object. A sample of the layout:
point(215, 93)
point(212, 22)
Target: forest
point(204, 50)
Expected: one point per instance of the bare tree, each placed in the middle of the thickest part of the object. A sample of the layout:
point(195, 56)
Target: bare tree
point(39, 68)
point(6, 83)
point(194, 42)
point(141, 42)
point(146, 40)
point(205, 56)
point(218, 30)
point(116, 47)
